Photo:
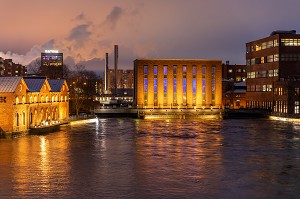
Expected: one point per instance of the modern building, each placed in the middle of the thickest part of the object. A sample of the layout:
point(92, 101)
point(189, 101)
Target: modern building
point(52, 64)
point(9, 69)
point(177, 83)
point(273, 70)
point(27, 102)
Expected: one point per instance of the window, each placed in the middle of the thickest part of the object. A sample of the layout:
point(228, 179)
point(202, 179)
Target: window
point(229, 70)
point(257, 47)
point(165, 70)
point(23, 118)
point(237, 103)
point(17, 119)
point(296, 111)
point(145, 84)
point(297, 91)
point(279, 91)
point(17, 100)
point(270, 58)
point(155, 70)
point(146, 70)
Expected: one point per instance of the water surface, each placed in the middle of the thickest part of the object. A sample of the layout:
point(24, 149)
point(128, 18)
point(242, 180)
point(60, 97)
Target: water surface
point(129, 158)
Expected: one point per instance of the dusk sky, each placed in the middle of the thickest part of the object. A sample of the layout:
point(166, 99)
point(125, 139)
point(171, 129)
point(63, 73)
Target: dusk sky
point(85, 29)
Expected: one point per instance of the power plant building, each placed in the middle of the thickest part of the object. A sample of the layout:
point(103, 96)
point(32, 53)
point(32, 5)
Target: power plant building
point(178, 83)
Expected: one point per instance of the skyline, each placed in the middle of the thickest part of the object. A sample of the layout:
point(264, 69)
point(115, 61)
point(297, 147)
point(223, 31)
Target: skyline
point(85, 30)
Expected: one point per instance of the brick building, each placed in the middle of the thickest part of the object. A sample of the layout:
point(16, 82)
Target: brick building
point(31, 102)
point(9, 69)
point(272, 64)
point(178, 83)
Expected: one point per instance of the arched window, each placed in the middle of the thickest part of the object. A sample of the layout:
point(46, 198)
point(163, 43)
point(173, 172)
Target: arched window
point(23, 118)
point(35, 99)
point(66, 98)
point(17, 100)
point(23, 100)
point(56, 99)
point(61, 98)
point(46, 98)
point(30, 99)
point(17, 119)
point(53, 98)
point(42, 99)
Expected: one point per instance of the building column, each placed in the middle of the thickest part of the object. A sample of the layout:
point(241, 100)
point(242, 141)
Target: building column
point(179, 85)
point(199, 86)
point(170, 87)
point(208, 86)
point(189, 86)
point(150, 86)
point(160, 86)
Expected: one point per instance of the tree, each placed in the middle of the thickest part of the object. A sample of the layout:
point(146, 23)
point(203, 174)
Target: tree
point(35, 67)
point(82, 89)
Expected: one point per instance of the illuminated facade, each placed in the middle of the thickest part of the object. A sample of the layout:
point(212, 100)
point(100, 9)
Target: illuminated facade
point(52, 64)
point(178, 83)
point(273, 72)
point(32, 102)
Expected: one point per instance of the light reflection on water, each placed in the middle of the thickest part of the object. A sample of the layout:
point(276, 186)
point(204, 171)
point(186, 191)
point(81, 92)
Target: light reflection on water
point(127, 158)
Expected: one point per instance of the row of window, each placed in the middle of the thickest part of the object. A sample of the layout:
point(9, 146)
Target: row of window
point(35, 99)
point(259, 74)
point(255, 104)
point(239, 70)
point(259, 88)
point(290, 42)
point(184, 69)
point(262, 60)
point(262, 46)
point(273, 43)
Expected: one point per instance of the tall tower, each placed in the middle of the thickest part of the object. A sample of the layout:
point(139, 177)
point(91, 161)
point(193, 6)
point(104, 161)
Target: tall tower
point(106, 73)
point(116, 68)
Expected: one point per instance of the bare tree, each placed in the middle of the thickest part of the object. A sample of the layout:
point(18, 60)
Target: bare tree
point(82, 89)
point(35, 67)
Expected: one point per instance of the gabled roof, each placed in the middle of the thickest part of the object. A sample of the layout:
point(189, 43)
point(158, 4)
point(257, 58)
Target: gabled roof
point(56, 84)
point(9, 84)
point(35, 83)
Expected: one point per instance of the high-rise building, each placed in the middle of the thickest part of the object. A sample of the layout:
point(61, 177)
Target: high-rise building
point(52, 64)
point(178, 83)
point(273, 71)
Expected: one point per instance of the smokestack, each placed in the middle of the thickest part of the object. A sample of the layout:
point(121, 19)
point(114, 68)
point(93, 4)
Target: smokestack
point(116, 68)
point(106, 73)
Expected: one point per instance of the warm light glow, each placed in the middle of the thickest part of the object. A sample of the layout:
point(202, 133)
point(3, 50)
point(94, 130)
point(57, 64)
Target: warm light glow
point(51, 51)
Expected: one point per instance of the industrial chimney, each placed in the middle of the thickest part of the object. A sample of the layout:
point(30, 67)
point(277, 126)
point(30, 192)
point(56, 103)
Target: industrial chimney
point(106, 73)
point(116, 68)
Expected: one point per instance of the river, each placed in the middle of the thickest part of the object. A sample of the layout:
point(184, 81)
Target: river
point(132, 158)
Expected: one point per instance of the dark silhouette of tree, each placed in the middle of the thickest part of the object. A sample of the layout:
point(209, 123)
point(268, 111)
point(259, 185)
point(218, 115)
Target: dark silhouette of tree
point(82, 89)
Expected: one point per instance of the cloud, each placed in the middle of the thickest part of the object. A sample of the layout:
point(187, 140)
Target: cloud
point(79, 35)
point(114, 16)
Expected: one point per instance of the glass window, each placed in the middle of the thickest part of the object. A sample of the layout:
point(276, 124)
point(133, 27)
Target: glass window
point(155, 85)
point(145, 69)
point(296, 107)
point(155, 70)
point(145, 84)
point(165, 70)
